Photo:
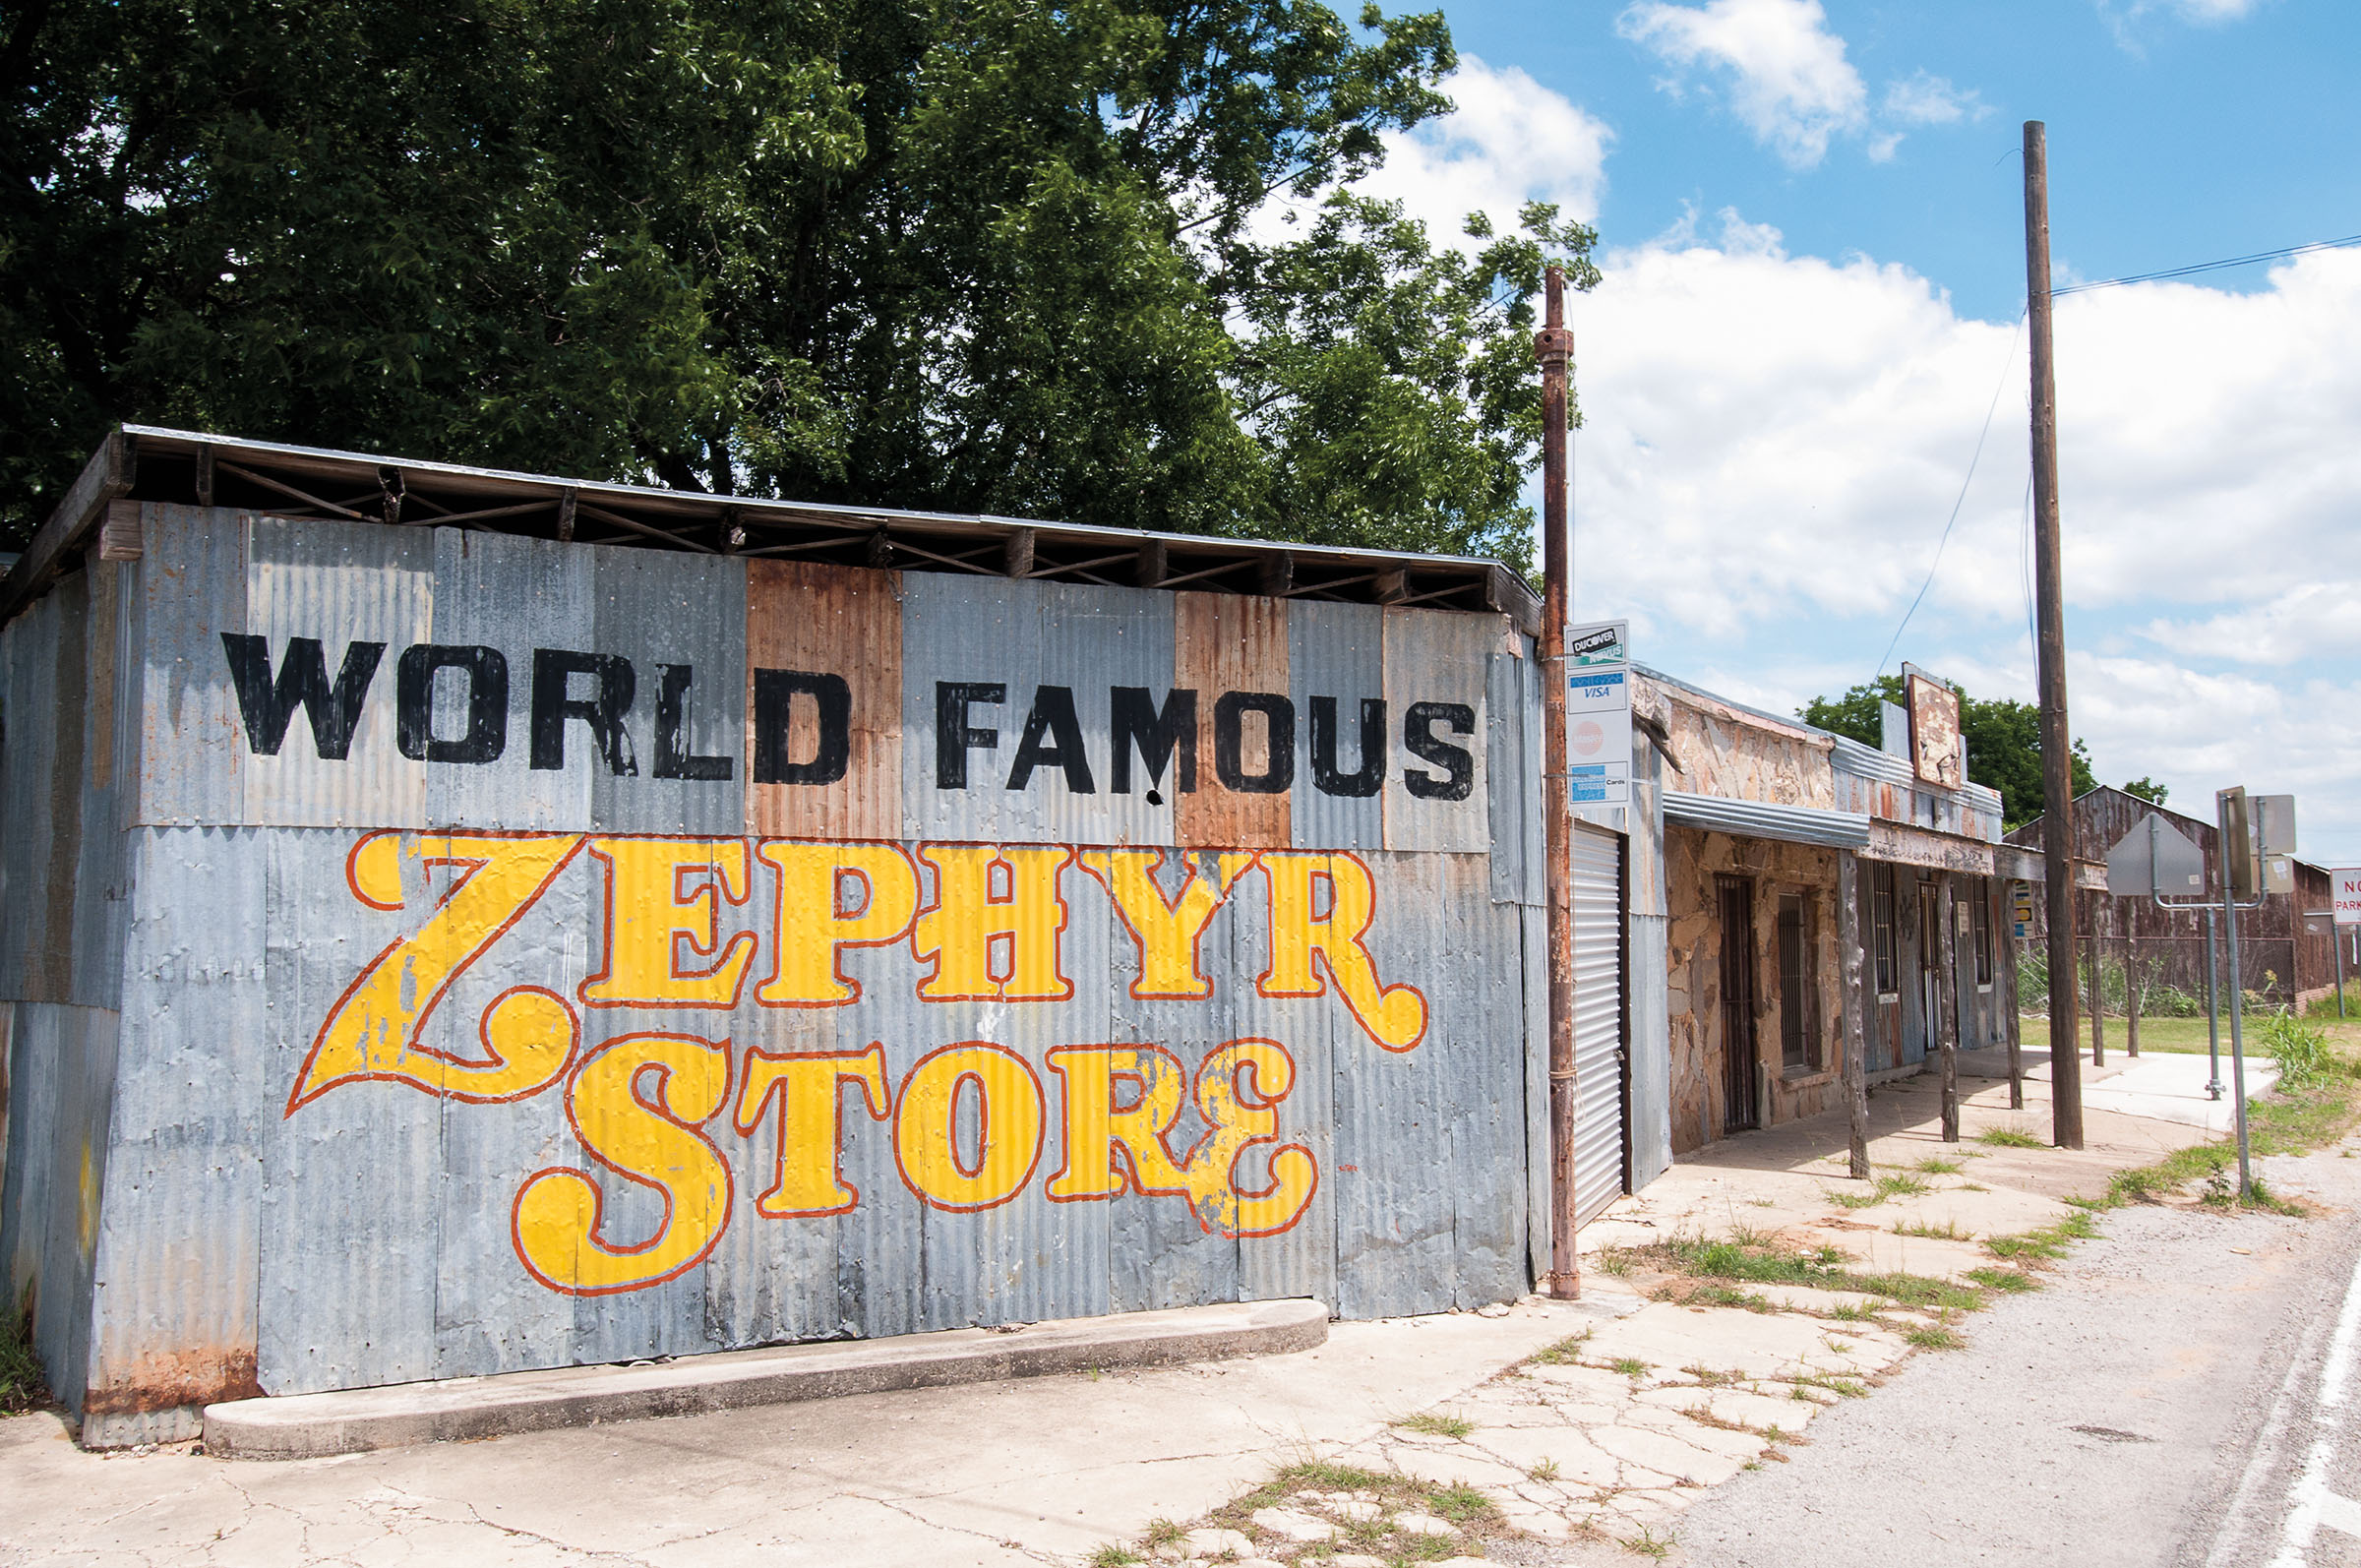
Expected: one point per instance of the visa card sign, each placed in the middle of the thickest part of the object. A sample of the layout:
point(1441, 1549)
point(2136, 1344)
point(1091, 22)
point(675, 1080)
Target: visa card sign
point(1599, 712)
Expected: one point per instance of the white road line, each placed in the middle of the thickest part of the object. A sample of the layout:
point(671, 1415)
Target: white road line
point(2309, 1498)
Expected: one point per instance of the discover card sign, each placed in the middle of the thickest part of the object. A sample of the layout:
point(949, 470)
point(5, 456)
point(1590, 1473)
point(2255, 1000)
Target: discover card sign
point(775, 951)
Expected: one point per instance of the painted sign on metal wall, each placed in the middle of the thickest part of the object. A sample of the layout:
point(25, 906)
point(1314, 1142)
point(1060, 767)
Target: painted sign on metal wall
point(614, 952)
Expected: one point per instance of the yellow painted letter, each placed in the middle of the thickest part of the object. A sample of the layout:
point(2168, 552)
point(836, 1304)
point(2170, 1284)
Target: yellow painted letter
point(528, 1034)
point(1242, 1118)
point(811, 926)
point(926, 1127)
point(810, 1178)
point(966, 920)
point(1166, 932)
point(1395, 1017)
point(653, 1143)
point(1099, 1132)
point(648, 917)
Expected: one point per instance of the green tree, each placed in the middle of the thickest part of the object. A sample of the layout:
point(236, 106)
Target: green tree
point(2004, 741)
point(2147, 789)
point(987, 255)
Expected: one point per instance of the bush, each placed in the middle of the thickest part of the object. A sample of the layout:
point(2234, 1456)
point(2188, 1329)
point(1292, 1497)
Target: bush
point(2301, 1051)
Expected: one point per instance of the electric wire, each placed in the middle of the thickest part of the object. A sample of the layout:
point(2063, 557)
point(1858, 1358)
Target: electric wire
point(2208, 267)
point(2008, 364)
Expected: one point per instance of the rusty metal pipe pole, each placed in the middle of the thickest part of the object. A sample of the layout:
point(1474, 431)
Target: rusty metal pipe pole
point(2057, 748)
point(1553, 346)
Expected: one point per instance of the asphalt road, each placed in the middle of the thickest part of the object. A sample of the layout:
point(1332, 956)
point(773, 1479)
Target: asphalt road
point(2186, 1391)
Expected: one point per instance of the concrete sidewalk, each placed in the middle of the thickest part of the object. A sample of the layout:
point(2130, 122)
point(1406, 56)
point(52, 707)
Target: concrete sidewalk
point(1634, 1406)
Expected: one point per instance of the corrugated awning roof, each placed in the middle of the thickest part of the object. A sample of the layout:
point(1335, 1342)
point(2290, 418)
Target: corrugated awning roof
point(147, 463)
point(1793, 824)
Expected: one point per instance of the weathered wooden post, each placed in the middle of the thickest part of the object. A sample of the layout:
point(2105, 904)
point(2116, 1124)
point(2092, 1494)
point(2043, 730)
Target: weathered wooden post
point(1947, 1005)
point(1852, 1011)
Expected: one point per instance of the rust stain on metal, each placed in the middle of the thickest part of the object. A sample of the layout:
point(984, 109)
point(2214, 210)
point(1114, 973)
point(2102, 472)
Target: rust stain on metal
point(199, 1375)
point(1227, 644)
point(844, 622)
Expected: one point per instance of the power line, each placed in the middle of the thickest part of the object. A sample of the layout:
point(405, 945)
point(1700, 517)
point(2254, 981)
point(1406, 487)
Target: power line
point(1991, 408)
point(2209, 267)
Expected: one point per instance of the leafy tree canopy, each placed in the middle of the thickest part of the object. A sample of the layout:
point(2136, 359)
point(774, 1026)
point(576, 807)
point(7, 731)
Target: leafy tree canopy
point(2147, 789)
point(987, 255)
point(2004, 742)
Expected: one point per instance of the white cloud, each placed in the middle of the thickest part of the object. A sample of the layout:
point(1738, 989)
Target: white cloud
point(1509, 141)
point(1789, 81)
point(1923, 99)
point(2120, 15)
point(1772, 445)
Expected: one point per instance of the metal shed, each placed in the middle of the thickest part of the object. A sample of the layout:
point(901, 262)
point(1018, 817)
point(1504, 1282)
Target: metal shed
point(457, 922)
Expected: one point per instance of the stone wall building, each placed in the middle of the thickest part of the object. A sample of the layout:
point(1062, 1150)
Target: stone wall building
point(1766, 824)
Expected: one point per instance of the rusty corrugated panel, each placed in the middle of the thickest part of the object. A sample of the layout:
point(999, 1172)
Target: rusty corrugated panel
point(827, 621)
point(1225, 644)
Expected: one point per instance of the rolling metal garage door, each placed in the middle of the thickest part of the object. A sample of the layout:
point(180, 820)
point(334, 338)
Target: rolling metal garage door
point(1597, 1019)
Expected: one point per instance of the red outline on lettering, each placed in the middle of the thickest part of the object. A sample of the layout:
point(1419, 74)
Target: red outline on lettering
point(1319, 958)
point(1172, 906)
point(836, 954)
point(950, 1141)
point(746, 1129)
point(352, 883)
point(297, 1100)
point(1058, 937)
point(720, 883)
point(1127, 1179)
point(598, 1196)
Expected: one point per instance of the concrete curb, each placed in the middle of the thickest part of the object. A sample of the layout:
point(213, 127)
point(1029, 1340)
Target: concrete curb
point(313, 1426)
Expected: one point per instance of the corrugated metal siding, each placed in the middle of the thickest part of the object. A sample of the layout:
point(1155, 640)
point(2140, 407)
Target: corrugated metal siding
point(1597, 860)
point(1797, 824)
point(365, 1236)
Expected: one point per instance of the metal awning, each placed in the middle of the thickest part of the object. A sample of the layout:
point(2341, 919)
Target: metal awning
point(1793, 824)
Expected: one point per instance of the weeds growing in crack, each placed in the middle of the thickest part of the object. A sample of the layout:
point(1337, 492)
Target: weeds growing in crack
point(1434, 1424)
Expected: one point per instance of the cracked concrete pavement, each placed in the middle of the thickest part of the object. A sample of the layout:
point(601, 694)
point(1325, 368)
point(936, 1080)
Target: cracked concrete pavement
point(1610, 1436)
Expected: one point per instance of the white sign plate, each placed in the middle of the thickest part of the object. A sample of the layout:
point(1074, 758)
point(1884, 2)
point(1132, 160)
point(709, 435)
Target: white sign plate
point(2345, 888)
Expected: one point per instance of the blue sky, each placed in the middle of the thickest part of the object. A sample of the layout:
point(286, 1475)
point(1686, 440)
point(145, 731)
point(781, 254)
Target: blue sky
point(1810, 217)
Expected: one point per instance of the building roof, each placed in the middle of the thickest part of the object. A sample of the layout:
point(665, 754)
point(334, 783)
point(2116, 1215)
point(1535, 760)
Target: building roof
point(142, 462)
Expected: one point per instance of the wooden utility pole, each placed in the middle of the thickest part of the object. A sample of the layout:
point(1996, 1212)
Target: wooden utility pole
point(1854, 1009)
point(1553, 346)
point(2057, 746)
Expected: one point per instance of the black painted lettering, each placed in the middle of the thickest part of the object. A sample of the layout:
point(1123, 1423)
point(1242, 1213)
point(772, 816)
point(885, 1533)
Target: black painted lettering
point(953, 736)
point(1458, 767)
point(1165, 736)
point(1053, 720)
point(673, 757)
point(776, 691)
point(1229, 741)
point(487, 673)
point(268, 704)
point(603, 711)
point(1324, 775)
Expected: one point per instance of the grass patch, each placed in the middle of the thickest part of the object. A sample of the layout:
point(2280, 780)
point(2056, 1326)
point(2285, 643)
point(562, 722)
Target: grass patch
point(1763, 1260)
point(1628, 1366)
point(1844, 1387)
point(1947, 1231)
point(1648, 1544)
point(2010, 1138)
point(1458, 1502)
point(20, 1384)
point(1433, 1424)
point(1163, 1533)
point(1937, 1165)
point(1565, 1353)
point(1852, 1200)
point(2009, 1282)
point(1546, 1470)
point(1111, 1555)
point(1935, 1337)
